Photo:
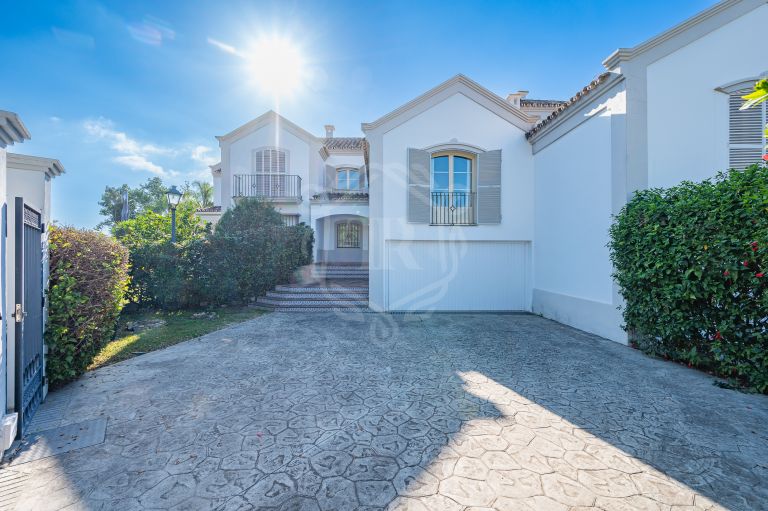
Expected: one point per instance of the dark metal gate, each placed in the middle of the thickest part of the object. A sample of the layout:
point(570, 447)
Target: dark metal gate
point(28, 313)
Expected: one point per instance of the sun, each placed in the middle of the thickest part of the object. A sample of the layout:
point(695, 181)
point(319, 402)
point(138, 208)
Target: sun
point(277, 66)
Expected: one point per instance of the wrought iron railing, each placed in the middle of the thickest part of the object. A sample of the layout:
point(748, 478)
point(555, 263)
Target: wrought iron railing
point(272, 186)
point(453, 208)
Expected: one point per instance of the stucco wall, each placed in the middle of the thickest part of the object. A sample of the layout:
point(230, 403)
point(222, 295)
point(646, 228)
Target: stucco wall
point(687, 117)
point(3, 298)
point(457, 119)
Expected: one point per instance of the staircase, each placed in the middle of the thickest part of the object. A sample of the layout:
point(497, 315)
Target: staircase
point(325, 287)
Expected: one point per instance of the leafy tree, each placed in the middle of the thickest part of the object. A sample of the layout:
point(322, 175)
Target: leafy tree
point(199, 192)
point(149, 227)
point(149, 196)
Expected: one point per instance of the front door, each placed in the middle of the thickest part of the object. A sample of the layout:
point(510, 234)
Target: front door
point(28, 313)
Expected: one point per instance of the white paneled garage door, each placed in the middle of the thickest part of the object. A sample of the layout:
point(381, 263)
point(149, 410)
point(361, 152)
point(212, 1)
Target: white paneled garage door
point(458, 275)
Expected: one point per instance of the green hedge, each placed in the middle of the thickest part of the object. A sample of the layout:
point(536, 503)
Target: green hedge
point(249, 253)
point(88, 281)
point(691, 263)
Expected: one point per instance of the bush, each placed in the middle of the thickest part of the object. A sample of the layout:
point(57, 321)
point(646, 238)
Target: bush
point(88, 281)
point(249, 253)
point(691, 263)
point(159, 275)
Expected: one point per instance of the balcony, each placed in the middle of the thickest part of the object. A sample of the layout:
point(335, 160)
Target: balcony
point(273, 187)
point(453, 208)
point(338, 194)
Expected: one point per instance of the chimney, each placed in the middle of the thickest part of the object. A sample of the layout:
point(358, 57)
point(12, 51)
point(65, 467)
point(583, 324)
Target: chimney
point(515, 97)
point(329, 130)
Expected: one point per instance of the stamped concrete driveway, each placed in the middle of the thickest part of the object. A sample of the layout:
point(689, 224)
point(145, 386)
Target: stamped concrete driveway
point(368, 411)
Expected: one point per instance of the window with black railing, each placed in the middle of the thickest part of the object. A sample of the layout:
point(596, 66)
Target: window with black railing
point(453, 208)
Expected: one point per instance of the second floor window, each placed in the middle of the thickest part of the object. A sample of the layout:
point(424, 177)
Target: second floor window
point(270, 161)
point(452, 172)
point(348, 179)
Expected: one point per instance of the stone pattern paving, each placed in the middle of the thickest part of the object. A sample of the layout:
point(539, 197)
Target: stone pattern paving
point(417, 412)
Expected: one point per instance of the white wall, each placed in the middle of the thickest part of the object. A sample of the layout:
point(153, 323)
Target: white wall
point(687, 118)
point(581, 182)
point(455, 119)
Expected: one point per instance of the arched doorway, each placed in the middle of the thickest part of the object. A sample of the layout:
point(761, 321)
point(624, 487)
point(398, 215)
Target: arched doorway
point(342, 239)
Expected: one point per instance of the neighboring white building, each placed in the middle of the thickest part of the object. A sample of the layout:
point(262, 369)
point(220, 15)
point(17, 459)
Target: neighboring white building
point(25, 198)
point(479, 203)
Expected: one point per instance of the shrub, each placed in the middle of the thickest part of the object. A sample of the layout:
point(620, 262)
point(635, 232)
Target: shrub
point(158, 273)
point(88, 280)
point(251, 250)
point(249, 253)
point(692, 265)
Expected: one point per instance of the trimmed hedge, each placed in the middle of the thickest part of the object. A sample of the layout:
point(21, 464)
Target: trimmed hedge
point(691, 262)
point(88, 281)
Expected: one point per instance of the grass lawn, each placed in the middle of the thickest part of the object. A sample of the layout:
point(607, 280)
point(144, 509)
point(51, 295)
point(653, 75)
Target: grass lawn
point(165, 329)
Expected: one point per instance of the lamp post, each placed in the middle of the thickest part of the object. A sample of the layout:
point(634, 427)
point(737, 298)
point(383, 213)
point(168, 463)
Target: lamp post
point(174, 197)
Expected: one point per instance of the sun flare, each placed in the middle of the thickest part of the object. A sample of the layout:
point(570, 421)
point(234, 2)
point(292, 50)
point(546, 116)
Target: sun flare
point(277, 66)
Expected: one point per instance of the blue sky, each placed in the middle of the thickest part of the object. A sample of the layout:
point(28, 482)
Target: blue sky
point(122, 91)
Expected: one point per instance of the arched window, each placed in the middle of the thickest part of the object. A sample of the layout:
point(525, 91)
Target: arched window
point(270, 160)
point(348, 179)
point(452, 171)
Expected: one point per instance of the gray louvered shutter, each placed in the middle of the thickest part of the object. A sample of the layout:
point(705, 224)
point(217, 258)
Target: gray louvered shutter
point(746, 141)
point(363, 176)
point(418, 186)
point(489, 187)
point(330, 178)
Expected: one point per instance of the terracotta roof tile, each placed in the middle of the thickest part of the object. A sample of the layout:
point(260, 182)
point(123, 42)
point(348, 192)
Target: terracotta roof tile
point(567, 104)
point(212, 209)
point(344, 143)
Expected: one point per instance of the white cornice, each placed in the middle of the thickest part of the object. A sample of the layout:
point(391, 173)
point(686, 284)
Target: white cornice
point(263, 120)
point(459, 81)
point(50, 166)
point(12, 130)
point(740, 7)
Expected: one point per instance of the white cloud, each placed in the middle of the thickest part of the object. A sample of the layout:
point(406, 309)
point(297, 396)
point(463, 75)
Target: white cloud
point(200, 154)
point(226, 48)
point(132, 153)
point(155, 159)
point(136, 162)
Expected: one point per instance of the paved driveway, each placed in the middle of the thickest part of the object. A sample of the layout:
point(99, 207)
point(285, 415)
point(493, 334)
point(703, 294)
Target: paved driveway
point(365, 411)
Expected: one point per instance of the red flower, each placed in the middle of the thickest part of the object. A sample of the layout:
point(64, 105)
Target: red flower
point(760, 275)
point(754, 246)
point(718, 335)
point(726, 273)
point(745, 263)
point(765, 157)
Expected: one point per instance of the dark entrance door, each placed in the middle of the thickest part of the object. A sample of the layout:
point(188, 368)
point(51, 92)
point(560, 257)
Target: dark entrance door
point(28, 313)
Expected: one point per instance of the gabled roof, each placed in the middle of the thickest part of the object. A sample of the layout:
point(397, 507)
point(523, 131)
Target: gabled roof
point(691, 29)
point(456, 83)
point(52, 167)
point(12, 129)
point(585, 91)
point(264, 119)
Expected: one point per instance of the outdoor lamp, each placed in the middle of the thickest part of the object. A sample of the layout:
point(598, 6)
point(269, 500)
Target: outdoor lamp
point(174, 197)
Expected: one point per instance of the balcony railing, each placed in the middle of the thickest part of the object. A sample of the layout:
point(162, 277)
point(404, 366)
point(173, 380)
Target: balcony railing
point(453, 208)
point(269, 186)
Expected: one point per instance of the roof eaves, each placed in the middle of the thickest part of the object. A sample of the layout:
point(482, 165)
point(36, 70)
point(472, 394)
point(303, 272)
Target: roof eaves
point(587, 90)
point(625, 54)
point(12, 129)
point(458, 79)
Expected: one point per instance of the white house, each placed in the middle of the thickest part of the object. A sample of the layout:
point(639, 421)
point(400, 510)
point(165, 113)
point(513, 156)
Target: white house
point(461, 200)
point(25, 199)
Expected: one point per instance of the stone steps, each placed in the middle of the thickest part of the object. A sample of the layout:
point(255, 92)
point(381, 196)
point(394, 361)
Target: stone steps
point(332, 295)
point(312, 304)
point(306, 296)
